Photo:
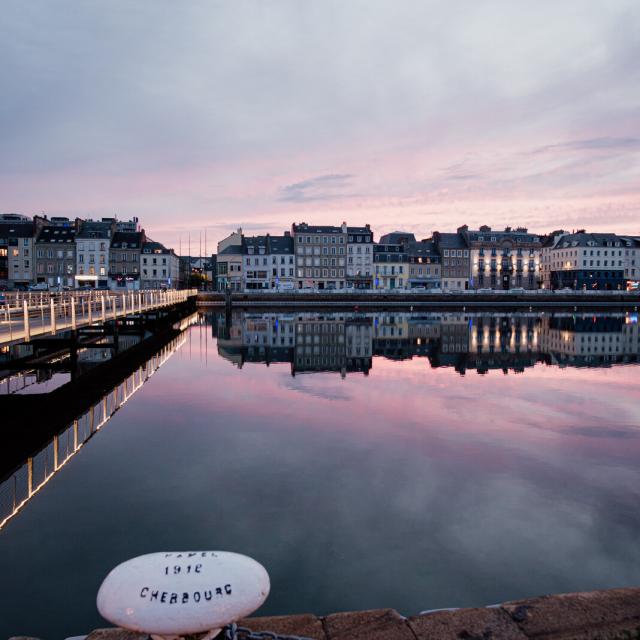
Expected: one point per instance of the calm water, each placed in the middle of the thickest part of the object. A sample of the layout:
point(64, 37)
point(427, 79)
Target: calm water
point(407, 461)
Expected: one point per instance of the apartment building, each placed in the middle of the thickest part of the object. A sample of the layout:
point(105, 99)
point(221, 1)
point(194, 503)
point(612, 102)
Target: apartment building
point(360, 257)
point(124, 260)
point(93, 241)
point(320, 255)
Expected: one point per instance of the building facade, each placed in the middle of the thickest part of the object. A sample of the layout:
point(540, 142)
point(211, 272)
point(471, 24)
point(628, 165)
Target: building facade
point(124, 260)
point(269, 262)
point(360, 257)
point(93, 241)
point(589, 261)
point(455, 262)
point(391, 266)
point(320, 256)
point(424, 265)
point(503, 259)
point(17, 263)
point(159, 267)
point(55, 250)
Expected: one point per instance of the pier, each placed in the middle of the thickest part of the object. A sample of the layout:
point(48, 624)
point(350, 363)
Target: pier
point(26, 316)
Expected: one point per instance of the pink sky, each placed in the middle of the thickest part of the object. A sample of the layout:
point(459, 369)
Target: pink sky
point(403, 116)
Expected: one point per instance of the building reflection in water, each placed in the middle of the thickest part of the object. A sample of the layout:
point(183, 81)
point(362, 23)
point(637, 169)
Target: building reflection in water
point(24, 483)
point(345, 343)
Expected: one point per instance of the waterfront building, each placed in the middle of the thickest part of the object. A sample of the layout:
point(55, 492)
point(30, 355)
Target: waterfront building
point(55, 250)
point(93, 241)
point(17, 261)
point(124, 260)
point(585, 260)
point(631, 258)
point(424, 265)
point(160, 268)
point(320, 255)
point(391, 266)
point(503, 259)
point(230, 268)
point(229, 262)
point(455, 262)
point(269, 262)
point(360, 257)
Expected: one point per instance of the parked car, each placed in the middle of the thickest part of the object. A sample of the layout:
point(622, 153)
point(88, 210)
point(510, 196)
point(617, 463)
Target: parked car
point(484, 290)
point(40, 286)
point(517, 290)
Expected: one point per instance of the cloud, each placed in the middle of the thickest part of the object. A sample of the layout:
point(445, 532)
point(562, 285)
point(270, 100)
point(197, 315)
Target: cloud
point(592, 144)
point(326, 187)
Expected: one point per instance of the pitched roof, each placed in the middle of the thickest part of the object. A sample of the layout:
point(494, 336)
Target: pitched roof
point(56, 234)
point(17, 230)
point(132, 240)
point(397, 237)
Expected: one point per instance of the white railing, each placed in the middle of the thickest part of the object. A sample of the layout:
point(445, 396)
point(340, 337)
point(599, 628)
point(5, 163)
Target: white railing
point(25, 318)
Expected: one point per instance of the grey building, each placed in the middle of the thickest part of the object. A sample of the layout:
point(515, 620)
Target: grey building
point(455, 263)
point(55, 250)
point(17, 264)
point(320, 255)
point(124, 260)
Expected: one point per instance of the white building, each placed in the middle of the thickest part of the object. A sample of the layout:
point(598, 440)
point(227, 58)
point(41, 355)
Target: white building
point(360, 257)
point(93, 241)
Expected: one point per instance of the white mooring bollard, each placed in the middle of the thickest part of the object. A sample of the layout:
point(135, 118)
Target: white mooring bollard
point(170, 595)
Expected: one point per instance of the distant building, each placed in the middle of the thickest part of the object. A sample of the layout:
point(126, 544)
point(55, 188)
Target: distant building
point(360, 257)
point(269, 262)
point(455, 263)
point(320, 255)
point(17, 263)
point(93, 241)
point(503, 259)
point(424, 265)
point(391, 266)
point(159, 267)
point(124, 260)
point(55, 250)
point(586, 261)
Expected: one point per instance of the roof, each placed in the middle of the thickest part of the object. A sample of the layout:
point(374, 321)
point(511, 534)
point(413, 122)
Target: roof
point(89, 229)
point(303, 227)
point(16, 230)
point(127, 240)
point(590, 240)
point(364, 230)
point(486, 233)
point(155, 247)
point(450, 240)
point(397, 237)
point(423, 248)
point(270, 244)
point(231, 250)
point(56, 234)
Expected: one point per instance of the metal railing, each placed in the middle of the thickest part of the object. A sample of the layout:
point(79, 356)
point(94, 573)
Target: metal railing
point(25, 317)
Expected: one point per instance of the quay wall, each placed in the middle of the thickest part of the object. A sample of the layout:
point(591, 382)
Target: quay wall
point(610, 614)
point(470, 300)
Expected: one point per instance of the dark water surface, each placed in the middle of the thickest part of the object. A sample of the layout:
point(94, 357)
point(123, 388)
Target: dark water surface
point(378, 461)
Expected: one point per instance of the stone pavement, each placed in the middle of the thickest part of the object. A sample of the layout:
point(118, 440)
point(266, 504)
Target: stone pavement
point(596, 615)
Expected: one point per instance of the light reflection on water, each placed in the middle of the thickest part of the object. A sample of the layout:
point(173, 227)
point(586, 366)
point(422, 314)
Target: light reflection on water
point(360, 466)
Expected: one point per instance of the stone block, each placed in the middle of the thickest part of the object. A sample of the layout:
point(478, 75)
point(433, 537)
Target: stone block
point(469, 624)
point(614, 613)
point(306, 625)
point(115, 633)
point(377, 624)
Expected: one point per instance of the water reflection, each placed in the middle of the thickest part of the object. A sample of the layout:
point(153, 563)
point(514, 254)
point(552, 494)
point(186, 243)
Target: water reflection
point(347, 343)
point(388, 479)
point(20, 486)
